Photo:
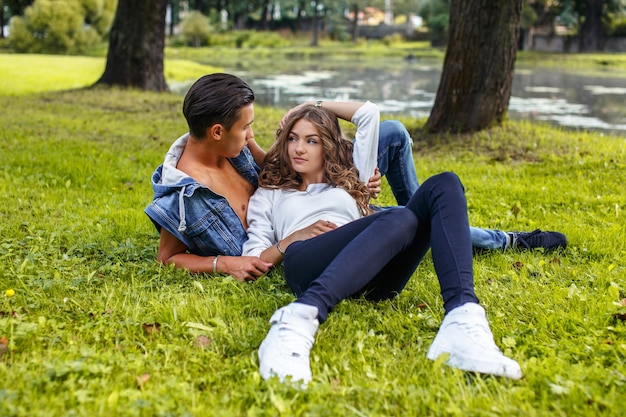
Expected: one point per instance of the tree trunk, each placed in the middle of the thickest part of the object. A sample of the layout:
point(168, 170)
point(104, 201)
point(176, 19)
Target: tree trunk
point(477, 75)
point(265, 15)
point(174, 16)
point(136, 46)
point(355, 23)
point(297, 27)
point(591, 35)
point(316, 29)
point(1, 20)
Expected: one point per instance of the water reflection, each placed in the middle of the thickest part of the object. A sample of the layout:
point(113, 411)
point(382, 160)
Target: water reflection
point(403, 88)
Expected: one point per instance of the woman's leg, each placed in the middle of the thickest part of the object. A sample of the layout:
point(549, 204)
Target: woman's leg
point(329, 268)
point(464, 335)
point(323, 271)
point(441, 210)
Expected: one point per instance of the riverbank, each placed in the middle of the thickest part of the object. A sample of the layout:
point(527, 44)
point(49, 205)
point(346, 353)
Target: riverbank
point(91, 325)
point(300, 50)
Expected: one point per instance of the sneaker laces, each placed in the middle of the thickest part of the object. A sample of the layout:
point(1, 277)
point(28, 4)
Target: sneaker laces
point(527, 239)
point(479, 335)
point(294, 342)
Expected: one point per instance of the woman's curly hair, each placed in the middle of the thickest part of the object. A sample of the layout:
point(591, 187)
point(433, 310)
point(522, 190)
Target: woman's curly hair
point(339, 169)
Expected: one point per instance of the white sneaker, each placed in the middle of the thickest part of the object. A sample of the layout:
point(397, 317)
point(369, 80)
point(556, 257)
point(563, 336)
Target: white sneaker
point(466, 336)
point(285, 350)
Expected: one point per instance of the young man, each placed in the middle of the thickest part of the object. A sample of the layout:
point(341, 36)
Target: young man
point(202, 189)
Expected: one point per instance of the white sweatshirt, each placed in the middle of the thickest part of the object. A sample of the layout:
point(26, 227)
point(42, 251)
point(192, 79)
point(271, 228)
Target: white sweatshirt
point(365, 152)
point(274, 214)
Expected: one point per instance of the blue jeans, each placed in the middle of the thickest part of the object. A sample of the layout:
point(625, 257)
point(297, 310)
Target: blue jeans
point(395, 161)
point(376, 255)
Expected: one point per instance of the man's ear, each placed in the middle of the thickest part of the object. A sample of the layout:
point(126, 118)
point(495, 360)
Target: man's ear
point(215, 131)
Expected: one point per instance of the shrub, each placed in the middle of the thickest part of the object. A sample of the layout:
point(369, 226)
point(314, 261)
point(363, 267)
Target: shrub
point(267, 39)
point(618, 27)
point(60, 26)
point(395, 38)
point(196, 29)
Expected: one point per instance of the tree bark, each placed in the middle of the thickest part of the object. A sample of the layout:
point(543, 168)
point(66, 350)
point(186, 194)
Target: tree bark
point(591, 35)
point(136, 46)
point(475, 85)
point(355, 23)
point(315, 38)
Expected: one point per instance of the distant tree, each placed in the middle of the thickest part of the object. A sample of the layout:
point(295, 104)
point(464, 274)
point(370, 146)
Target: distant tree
point(265, 14)
point(591, 35)
point(316, 5)
point(1, 19)
point(436, 14)
point(17, 7)
point(136, 46)
point(355, 8)
point(592, 15)
point(477, 75)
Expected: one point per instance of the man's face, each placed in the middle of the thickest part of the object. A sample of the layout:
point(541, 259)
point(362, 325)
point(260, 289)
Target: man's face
point(236, 138)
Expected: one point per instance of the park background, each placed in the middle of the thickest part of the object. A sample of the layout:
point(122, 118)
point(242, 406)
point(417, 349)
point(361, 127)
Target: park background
point(91, 325)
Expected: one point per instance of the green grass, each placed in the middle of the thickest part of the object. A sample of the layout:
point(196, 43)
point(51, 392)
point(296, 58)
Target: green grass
point(97, 328)
point(28, 73)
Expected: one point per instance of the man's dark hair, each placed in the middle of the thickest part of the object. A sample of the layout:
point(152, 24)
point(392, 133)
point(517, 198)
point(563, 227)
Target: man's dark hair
point(215, 98)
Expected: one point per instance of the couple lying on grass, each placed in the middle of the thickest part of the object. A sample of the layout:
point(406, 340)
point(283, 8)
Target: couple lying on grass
point(308, 208)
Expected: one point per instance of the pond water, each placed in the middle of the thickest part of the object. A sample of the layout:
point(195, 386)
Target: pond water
point(559, 96)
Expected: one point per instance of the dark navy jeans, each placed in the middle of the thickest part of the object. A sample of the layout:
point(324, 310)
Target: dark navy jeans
point(395, 161)
point(375, 256)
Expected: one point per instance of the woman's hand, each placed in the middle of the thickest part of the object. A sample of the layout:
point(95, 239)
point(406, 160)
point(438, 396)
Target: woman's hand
point(274, 254)
point(374, 184)
point(282, 121)
point(318, 228)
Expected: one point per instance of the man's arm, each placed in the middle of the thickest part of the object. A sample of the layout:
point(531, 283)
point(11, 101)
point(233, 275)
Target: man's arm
point(257, 152)
point(242, 268)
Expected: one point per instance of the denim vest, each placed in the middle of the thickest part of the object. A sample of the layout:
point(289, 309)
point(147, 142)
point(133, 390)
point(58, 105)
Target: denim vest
point(198, 217)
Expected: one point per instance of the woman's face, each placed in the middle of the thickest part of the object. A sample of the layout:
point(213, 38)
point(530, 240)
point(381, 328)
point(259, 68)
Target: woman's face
point(306, 153)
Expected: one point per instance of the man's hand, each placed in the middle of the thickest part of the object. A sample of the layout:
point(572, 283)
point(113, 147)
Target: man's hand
point(243, 268)
point(374, 184)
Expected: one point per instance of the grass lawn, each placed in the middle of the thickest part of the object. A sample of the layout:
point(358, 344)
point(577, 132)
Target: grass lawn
point(91, 325)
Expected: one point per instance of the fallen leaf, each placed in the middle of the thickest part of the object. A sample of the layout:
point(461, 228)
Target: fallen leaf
point(202, 342)
point(142, 379)
point(151, 327)
point(623, 301)
point(518, 265)
point(4, 348)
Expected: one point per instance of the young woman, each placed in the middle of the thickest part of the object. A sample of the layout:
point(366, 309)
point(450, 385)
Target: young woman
point(311, 212)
